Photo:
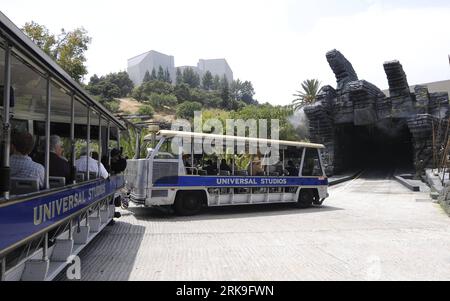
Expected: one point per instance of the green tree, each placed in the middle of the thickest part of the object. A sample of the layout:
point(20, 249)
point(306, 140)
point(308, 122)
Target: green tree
point(147, 77)
point(167, 78)
point(157, 86)
point(227, 103)
point(153, 76)
point(207, 81)
point(191, 78)
point(187, 109)
point(216, 83)
point(242, 91)
point(179, 79)
point(161, 76)
point(308, 94)
point(138, 93)
point(113, 85)
point(122, 81)
point(68, 48)
point(182, 92)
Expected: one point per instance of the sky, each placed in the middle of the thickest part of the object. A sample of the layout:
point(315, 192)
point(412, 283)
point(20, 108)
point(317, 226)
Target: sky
point(276, 44)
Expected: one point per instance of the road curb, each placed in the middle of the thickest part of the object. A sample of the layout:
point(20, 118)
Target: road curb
point(346, 179)
point(407, 184)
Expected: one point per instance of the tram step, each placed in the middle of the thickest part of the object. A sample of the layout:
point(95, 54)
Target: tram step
point(104, 215)
point(62, 250)
point(95, 223)
point(81, 237)
point(35, 270)
point(111, 210)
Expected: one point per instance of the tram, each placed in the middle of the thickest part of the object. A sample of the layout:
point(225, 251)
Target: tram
point(173, 175)
point(43, 224)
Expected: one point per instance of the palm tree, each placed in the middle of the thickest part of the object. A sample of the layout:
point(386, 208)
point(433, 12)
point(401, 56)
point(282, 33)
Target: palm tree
point(308, 96)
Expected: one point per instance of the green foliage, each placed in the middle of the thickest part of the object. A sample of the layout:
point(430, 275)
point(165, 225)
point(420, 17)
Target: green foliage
point(161, 76)
point(207, 81)
point(187, 109)
point(182, 92)
point(179, 79)
point(167, 78)
point(112, 105)
point(138, 93)
point(216, 83)
point(191, 78)
point(156, 86)
point(308, 94)
point(221, 115)
point(67, 48)
point(225, 94)
point(153, 76)
point(147, 77)
point(269, 112)
point(243, 91)
point(146, 110)
point(160, 101)
point(106, 88)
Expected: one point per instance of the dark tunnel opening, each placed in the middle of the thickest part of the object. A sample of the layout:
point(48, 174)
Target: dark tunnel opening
point(386, 145)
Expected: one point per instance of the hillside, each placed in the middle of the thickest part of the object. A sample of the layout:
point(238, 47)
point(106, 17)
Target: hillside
point(131, 106)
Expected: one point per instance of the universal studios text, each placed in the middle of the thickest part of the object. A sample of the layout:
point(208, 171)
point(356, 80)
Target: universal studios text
point(262, 137)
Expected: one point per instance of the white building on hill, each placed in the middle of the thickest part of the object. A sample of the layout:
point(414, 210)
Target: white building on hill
point(139, 65)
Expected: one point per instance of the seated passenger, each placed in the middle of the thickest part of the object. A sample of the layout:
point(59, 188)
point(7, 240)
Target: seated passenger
point(224, 166)
point(211, 168)
point(93, 165)
point(94, 156)
point(21, 164)
point(293, 171)
point(59, 167)
point(118, 163)
point(256, 168)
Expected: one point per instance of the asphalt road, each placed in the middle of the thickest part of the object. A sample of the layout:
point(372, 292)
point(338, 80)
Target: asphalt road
point(371, 228)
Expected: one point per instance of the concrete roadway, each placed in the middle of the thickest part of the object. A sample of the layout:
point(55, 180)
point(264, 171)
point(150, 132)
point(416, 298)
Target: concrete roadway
point(369, 229)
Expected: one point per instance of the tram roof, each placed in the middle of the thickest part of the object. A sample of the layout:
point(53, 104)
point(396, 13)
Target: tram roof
point(20, 41)
point(170, 134)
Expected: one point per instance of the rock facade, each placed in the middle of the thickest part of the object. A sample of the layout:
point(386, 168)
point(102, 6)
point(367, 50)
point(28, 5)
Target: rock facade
point(359, 103)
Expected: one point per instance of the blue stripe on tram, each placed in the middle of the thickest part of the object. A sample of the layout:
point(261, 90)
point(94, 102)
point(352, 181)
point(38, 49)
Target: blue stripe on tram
point(190, 181)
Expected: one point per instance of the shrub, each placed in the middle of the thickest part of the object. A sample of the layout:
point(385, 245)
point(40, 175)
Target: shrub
point(186, 109)
point(146, 110)
point(161, 100)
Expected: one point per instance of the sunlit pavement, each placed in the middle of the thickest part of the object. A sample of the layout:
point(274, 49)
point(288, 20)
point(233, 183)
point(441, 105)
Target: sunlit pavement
point(371, 228)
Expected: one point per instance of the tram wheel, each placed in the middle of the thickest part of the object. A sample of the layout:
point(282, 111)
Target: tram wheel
point(188, 204)
point(305, 199)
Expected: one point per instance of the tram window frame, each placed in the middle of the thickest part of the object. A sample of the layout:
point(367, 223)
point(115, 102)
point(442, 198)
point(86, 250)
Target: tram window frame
point(315, 157)
point(166, 148)
point(30, 85)
point(295, 154)
point(2, 61)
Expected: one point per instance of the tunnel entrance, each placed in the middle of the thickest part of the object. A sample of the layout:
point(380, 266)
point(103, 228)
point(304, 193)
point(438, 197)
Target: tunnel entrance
point(386, 145)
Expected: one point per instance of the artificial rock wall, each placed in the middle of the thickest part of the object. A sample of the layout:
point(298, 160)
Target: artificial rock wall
point(359, 104)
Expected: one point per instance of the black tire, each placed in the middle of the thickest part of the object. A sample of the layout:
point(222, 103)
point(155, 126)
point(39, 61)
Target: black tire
point(305, 199)
point(188, 204)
